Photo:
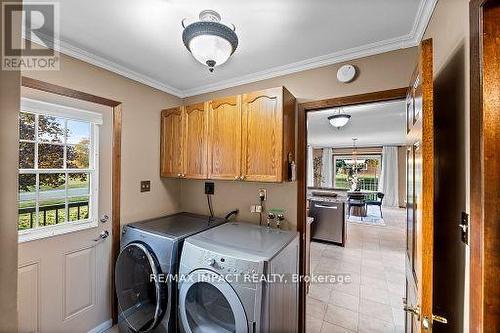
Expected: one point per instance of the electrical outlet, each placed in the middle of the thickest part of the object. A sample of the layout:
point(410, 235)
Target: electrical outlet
point(145, 185)
point(209, 188)
point(263, 194)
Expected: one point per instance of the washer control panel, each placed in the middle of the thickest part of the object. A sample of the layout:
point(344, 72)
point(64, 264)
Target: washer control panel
point(227, 265)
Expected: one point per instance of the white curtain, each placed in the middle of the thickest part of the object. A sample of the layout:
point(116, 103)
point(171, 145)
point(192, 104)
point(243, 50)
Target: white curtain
point(388, 182)
point(310, 167)
point(327, 168)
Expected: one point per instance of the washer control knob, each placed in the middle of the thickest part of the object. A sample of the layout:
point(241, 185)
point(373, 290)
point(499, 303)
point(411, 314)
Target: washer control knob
point(211, 262)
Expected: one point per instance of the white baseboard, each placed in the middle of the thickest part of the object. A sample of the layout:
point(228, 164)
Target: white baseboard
point(102, 327)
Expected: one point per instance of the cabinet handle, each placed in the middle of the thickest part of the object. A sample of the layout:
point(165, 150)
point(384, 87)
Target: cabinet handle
point(237, 177)
point(179, 175)
point(243, 177)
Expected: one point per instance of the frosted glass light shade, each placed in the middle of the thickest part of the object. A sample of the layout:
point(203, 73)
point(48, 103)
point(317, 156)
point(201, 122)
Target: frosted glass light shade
point(339, 120)
point(205, 48)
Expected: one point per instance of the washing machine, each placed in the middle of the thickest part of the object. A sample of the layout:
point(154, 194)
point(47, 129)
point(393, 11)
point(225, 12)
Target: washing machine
point(146, 267)
point(229, 283)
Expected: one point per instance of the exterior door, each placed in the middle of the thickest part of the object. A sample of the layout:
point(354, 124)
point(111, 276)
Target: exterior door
point(64, 278)
point(207, 303)
point(196, 141)
point(262, 135)
point(224, 158)
point(420, 178)
point(172, 131)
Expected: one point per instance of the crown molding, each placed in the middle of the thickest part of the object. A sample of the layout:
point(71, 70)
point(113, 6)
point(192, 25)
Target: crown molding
point(299, 66)
point(93, 59)
point(424, 13)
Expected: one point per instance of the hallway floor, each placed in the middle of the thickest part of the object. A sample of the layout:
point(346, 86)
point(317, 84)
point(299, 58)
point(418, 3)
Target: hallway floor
point(374, 258)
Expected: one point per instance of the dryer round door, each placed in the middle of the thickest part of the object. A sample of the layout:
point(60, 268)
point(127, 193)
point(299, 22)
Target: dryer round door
point(142, 300)
point(208, 304)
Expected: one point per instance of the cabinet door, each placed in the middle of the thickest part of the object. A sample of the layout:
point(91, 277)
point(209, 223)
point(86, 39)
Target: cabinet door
point(172, 132)
point(263, 136)
point(225, 138)
point(195, 141)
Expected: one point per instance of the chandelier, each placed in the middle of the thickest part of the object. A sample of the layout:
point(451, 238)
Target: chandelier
point(209, 41)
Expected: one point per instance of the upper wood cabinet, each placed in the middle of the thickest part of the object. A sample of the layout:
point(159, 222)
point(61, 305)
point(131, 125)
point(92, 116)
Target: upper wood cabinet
point(246, 137)
point(224, 133)
point(172, 131)
point(268, 139)
point(195, 141)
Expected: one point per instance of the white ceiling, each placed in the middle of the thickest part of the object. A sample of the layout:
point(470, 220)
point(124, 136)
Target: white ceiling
point(142, 39)
point(374, 124)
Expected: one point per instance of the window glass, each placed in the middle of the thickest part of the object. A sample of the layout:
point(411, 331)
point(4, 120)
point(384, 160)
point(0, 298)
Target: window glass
point(51, 191)
point(361, 172)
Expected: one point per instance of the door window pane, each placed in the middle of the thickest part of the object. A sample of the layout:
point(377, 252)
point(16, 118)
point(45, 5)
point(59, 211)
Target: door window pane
point(78, 184)
point(77, 156)
point(51, 129)
point(27, 214)
point(78, 132)
point(51, 212)
point(26, 155)
point(27, 126)
point(52, 185)
point(50, 156)
point(27, 187)
point(78, 208)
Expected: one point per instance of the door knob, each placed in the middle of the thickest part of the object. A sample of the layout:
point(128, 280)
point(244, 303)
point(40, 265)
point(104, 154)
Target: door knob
point(103, 235)
point(439, 319)
point(104, 218)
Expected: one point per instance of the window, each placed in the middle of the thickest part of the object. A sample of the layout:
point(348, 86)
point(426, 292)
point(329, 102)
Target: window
point(58, 169)
point(367, 168)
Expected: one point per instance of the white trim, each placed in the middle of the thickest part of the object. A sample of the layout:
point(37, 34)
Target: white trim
point(102, 327)
point(55, 230)
point(57, 110)
point(413, 38)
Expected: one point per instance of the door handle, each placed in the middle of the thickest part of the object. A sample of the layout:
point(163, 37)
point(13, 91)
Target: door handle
point(412, 309)
point(103, 235)
point(327, 207)
point(104, 219)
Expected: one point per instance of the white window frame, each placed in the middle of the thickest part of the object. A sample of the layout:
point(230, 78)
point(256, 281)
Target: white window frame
point(349, 157)
point(95, 119)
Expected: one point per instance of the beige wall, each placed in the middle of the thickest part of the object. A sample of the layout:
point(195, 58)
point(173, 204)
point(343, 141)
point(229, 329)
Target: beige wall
point(140, 134)
point(9, 104)
point(449, 29)
point(380, 72)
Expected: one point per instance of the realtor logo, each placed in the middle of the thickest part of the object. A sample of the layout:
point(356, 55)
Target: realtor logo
point(30, 36)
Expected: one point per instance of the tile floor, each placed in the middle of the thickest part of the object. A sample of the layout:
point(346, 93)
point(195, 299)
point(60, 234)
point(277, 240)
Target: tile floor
point(374, 258)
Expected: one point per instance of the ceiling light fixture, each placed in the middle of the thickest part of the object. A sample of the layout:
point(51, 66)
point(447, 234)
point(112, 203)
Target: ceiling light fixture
point(340, 119)
point(209, 41)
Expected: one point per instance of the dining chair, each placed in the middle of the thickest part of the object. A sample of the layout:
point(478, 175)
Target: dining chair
point(377, 202)
point(355, 200)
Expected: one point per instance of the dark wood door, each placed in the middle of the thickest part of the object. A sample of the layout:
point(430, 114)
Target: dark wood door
point(420, 172)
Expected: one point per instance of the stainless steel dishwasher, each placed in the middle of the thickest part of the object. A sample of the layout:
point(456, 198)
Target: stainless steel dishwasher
point(329, 221)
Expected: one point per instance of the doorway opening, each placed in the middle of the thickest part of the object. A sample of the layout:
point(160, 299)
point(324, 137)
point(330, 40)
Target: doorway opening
point(355, 197)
